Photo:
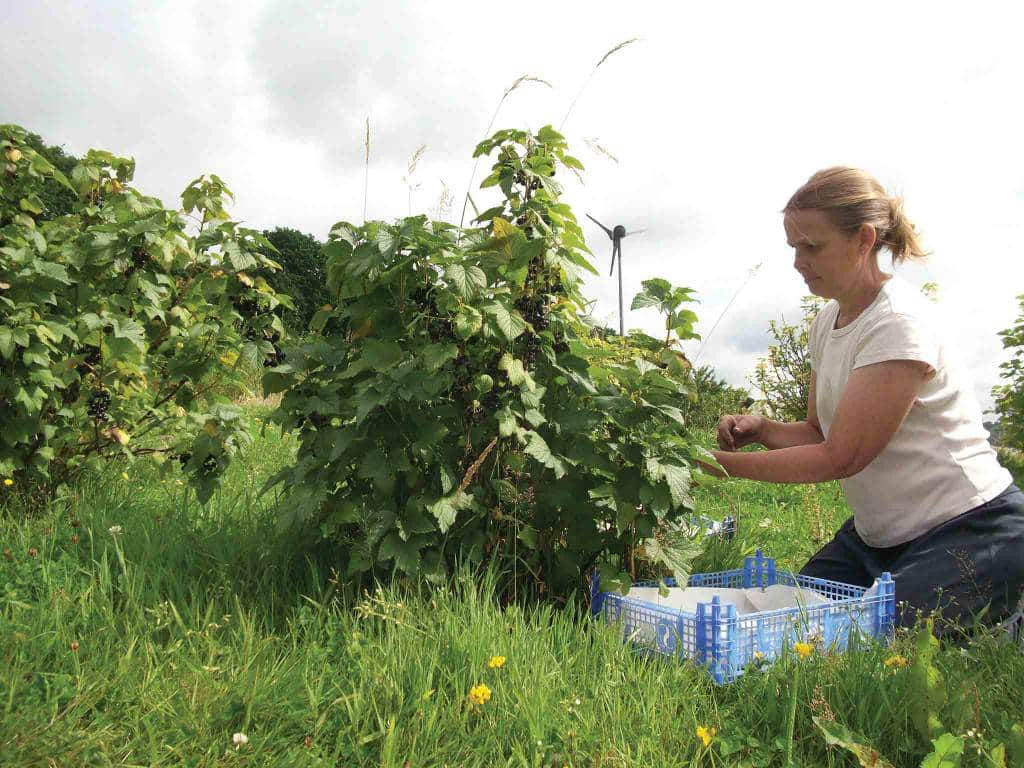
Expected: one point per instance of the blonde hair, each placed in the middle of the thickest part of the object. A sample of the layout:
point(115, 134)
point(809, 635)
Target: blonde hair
point(851, 197)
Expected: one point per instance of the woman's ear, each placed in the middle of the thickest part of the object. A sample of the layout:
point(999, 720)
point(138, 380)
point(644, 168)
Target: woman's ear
point(867, 236)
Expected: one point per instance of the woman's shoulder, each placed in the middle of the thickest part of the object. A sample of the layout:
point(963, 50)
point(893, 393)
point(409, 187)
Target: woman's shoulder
point(900, 297)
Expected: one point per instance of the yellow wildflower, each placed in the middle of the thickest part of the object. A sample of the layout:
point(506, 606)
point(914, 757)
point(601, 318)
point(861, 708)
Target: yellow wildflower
point(8, 482)
point(496, 662)
point(803, 649)
point(124, 475)
point(758, 655)
point(479, 694)
point(894, 662)
point(706, 734)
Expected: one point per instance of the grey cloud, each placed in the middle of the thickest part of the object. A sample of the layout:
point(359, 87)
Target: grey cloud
point(326, 67)
point(86, 77)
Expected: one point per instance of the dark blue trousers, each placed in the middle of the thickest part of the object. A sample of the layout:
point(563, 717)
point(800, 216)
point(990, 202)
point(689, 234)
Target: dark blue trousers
point(971, 563)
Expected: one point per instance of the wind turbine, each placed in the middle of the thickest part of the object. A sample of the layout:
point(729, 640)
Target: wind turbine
point(616, 236)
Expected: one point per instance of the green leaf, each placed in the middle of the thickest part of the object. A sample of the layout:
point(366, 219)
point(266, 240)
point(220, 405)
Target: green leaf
point(644, 300)
point(240, 259)
point(538, 449)
point(382, 354)
point(658, 287)
point(447, 481)
point(32, 204)
point(1016, 741)
point(838, 735)
point(129, 330)
point(447, 508)
point(674, 547)
point(514, 368)
point(928, 692)
point(6, 342)
point(53, 271)
point(678, 480)
point(433, 356)
point(506, 492)
point(509, 322)
point(274, 382)
point(673, 413)
point(644, 366)
point(946, 753)
point(406, 554)
point(506, 422)
point(528, 535)
point(468, 322)
point(467, 281)
point(517, 374)
point(535, 417)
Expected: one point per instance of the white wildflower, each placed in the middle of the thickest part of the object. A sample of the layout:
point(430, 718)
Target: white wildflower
point(115, 530)
point(239, 740)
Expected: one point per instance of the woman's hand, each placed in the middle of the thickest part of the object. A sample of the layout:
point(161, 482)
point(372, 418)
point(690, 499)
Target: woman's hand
point(734, 432)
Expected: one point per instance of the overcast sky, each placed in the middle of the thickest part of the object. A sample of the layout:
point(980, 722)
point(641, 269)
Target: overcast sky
point(715, 117)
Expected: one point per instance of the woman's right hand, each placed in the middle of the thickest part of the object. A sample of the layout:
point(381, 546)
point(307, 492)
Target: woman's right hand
point(734, 432)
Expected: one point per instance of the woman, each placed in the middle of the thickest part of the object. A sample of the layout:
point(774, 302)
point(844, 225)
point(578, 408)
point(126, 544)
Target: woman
point(892, 416)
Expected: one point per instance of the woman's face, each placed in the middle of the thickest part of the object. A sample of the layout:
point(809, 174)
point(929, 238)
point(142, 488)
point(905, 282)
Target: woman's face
point(828, 260)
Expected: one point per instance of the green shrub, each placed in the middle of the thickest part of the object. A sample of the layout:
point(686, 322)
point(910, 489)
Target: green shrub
point(452, 403)
point(118, 318)
point(1009, 397)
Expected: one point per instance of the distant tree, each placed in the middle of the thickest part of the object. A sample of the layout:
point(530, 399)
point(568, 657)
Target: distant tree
point(57, 199)
point(714, 397)
point(784, 375)
point(1009, 396)
point(302, 275)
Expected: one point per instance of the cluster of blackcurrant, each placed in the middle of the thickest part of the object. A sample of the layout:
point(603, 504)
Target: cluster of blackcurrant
point(561, 345)
point(274, 358)
point(440, 329)
point(139, 259)
point(531, 343)
point(474, 412)
point(89, 362)
point(98, 405)
point(531, 184)
point(245, 306)
point(208, 467)
point(534, 310)
point(492, 400)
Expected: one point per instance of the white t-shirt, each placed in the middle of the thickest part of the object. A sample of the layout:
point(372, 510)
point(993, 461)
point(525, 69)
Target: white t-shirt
point(939, 463)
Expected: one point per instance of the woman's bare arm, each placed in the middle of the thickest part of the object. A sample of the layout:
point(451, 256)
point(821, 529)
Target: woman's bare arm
point(876, 400)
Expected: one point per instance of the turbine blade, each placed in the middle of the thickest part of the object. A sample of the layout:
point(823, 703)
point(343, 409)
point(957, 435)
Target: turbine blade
point(615, 251)
point(635, 232)
point(602, 226)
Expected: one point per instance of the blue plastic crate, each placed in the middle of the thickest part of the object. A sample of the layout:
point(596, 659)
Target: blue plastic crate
point(725, 642)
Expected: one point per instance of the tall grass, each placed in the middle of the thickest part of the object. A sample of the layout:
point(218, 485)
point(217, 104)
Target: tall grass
point(164, 629)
